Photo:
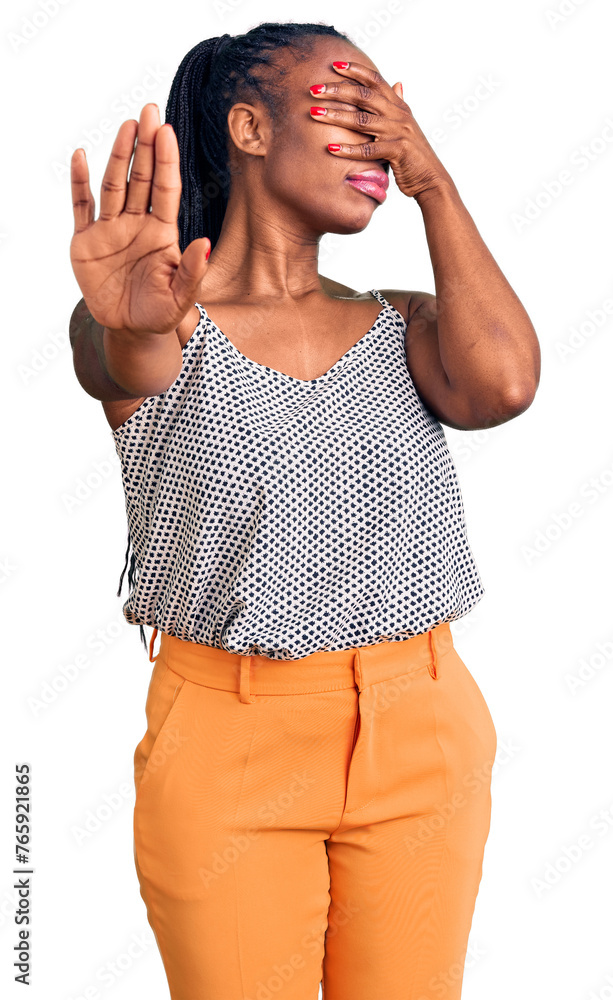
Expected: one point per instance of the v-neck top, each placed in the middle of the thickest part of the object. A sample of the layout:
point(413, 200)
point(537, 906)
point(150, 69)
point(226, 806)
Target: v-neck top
point(278, 516)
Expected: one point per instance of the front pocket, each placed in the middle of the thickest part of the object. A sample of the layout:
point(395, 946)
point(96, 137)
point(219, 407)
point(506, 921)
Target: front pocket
point(481, 719)
point(165, 689)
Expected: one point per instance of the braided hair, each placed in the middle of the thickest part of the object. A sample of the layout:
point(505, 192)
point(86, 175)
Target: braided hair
point(213, 76)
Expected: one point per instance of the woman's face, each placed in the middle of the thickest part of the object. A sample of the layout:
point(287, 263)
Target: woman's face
point(300, 179)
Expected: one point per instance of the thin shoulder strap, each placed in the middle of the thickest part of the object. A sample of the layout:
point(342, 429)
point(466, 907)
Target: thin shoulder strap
point(397, 321)
point(381, 298)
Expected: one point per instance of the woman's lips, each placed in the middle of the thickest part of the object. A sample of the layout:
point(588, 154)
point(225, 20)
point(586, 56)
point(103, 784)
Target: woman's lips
point(368, 186)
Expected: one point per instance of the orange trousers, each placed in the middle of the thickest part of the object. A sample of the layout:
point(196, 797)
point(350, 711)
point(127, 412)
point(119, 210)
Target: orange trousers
point(320, 820)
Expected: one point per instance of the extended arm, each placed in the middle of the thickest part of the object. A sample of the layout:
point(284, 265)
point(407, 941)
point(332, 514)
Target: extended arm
point(113, 365)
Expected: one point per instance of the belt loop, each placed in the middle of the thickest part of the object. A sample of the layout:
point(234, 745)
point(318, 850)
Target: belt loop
point(245, 695)
point(153, 658)
point(432, 664)
point(358, 673)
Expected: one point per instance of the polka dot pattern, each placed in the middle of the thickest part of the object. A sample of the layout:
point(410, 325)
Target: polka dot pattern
point(276, 516)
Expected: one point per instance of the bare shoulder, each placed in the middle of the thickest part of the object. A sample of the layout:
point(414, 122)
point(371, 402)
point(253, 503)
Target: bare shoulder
point(341, 291)
point(337, 288)
point(407, 302)
point(404, 300)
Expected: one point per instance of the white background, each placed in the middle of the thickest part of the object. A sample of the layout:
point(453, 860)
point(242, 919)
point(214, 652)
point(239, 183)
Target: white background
point(542, 923)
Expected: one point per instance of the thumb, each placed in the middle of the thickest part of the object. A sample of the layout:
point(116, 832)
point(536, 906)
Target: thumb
point(190, 272)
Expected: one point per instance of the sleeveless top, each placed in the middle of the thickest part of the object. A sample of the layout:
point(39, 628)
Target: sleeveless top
point(277, 516)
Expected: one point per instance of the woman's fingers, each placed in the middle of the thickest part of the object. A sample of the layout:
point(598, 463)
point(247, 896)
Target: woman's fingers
point(166, 189)
point(113, 188)
point(141, 174)
point(190, 272)
point(83, 204)
point(155, 178)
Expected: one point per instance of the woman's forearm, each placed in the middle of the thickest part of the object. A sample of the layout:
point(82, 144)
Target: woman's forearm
point(113, 365)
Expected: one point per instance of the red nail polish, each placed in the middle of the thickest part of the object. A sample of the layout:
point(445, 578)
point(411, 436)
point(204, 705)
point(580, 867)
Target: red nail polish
point(341, 65)
point(318, 111)
point(317, 88)
point(207, 254)
point(333, 146)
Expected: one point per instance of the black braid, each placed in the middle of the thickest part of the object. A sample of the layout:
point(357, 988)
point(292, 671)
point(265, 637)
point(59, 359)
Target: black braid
point(131, 581)
point(213, 76)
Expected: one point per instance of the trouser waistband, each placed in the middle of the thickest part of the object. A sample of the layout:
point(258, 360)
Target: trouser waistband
point(324, 671)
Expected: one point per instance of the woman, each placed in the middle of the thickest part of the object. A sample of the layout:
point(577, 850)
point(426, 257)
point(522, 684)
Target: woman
point(313, 789)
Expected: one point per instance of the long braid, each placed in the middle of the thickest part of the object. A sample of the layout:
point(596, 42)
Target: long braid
point(213, 76)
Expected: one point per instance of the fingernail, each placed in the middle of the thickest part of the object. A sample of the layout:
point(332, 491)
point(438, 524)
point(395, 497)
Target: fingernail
point(207, 253)
point(341, 65)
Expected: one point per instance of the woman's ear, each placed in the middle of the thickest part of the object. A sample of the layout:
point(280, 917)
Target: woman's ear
point(246, 126)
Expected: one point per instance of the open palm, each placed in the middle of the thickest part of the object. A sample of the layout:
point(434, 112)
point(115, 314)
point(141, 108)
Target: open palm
point(128, 262)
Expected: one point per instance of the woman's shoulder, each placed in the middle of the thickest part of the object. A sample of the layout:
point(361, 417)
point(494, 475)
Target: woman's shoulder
point(397, 297)
point(337, 288)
